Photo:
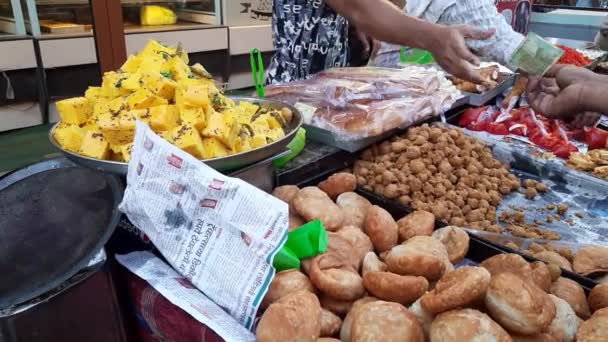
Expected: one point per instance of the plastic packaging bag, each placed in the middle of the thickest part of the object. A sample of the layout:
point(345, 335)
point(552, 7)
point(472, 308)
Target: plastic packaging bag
point(356, 103)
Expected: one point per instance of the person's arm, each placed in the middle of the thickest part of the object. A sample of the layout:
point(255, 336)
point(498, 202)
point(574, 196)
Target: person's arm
point(593, 97)
point(385, 21)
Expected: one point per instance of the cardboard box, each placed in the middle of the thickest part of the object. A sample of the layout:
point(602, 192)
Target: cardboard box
point(246, 12)
point(517, 13)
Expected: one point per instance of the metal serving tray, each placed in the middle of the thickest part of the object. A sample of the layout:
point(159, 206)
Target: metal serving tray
point(228, 163)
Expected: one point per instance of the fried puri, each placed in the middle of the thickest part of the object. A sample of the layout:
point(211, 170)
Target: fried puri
point(466, 325)
point(354, 207)
point(286, 193)
point(573, 293)
point(371, 263)
point(455, 240)
point(591, 259)
point(330, 323)
point(541, 275)
point(385, 321)
point(456, 289)
point(311, 203)
point(284, 283)
point(594, 329)
point(419, 256)
point(381, 229)
point(345, 331)
point(511, 263)
point(554, 258)
point(419, 222)
point(339, 307)
point(336, 277)
point(295, 317)
point(395, 288)
point(517, 305)
point(360, 241)
point(337, 244)
point(564, 325)
point(598, 297)
point(338, 184)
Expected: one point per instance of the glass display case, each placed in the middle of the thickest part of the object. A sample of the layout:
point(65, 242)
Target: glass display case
point(11, 19)
point(143, 15)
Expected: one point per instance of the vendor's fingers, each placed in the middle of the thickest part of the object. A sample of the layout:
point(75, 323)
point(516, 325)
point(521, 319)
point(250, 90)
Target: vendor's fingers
point(533, 84)
point(471, 32)
point(554, 70)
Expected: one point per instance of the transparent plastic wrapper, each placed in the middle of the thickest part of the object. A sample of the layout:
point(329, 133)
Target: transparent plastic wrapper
point(479, 14)
point(357, 103)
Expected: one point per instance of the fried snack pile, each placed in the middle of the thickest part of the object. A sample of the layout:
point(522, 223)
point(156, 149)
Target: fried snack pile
point(387, 280)
point(179, 102)
point(438, 170)
point(594, 160)
point(490, 76)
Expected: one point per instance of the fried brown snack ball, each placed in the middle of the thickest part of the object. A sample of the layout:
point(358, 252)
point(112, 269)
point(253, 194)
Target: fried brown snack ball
point(384, 321)
point(371, 263)
point(295, 317)
point(518, 305)
point(598, 297)
point(419, 222)
point(336, 277)
point(564, 325)
point(345, 331)
point(455, 240)
point(595, 329)
point(395, 288)
point(360, 241)
point(541, 275)
point(554, 258)
point(591, 259)
point(284, 283)
point(327, 339)
point(456, 289)
point(419, 256)
point(466, 325)
point(512, 263)
point(339, 307)
point(381, 229)
point(573, 293)
point(312, 203)
point(544, 337)
point(338, 184)
point(354, 207)
point(330, 323)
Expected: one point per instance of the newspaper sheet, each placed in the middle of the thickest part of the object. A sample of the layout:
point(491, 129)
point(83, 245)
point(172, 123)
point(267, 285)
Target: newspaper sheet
point(179, 291)
point(219, 232)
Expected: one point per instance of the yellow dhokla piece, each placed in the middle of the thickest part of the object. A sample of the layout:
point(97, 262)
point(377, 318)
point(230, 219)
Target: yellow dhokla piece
point(213, 148)
point(188, 139)
point(117, 129)
point(111, 84)
point(125, 150)
point(69, 136)
point(143, 98)
point(222, 127)
point(131, 65)
point(194, 117)
point(163, 118)
point(74, 111)
point(94, 145)
point(95, 95)
point(177, 68)
point(160, 85)
point(133, 82)
point(192, 96)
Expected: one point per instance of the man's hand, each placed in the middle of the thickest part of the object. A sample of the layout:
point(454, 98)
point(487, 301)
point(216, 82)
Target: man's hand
point(447, 44)
point(567, 75)
point(546, 97)
point(370, 45)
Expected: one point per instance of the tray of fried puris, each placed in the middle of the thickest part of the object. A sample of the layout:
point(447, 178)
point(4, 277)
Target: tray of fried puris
point(395, 277)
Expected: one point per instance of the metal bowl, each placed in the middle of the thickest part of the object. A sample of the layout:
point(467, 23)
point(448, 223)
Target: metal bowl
point(227, 163)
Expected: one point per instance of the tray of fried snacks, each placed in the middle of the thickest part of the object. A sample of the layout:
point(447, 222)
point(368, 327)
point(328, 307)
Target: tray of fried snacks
point(465, 182)
point(181, 103)
point(495, 83)
point(587, 261)
point(390, 277)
